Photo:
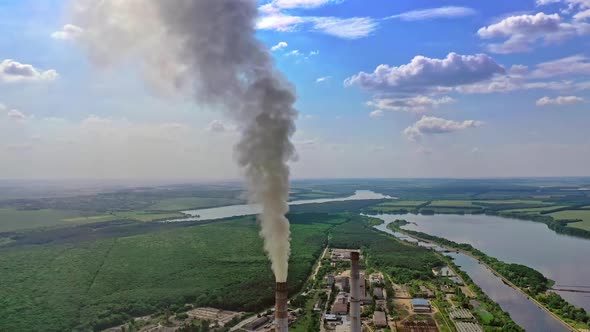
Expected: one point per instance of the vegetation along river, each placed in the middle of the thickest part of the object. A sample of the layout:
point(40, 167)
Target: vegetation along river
point(522, 310)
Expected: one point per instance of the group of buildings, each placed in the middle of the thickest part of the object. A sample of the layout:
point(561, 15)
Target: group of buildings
point(344, 313)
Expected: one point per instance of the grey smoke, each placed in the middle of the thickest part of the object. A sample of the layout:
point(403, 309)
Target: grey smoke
point(208, 48)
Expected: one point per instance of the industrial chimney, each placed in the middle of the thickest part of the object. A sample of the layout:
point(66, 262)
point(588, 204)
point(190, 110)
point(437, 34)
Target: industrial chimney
point(355, 299)
point(281, 312)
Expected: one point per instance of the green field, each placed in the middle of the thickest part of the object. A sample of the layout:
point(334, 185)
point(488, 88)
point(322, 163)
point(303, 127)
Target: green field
point(403, 203)
point(457, 203)
point(188, 203)
point(90, 219)
point(535, 210)
point(585, 225)
point(583, 215)
point(12, 219)
point(96, 284)
point(513, 202)
point(146, 216)
point(448, 210)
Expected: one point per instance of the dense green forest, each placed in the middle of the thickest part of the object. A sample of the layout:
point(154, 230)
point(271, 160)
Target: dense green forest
point(408, 262)
point(92, 284)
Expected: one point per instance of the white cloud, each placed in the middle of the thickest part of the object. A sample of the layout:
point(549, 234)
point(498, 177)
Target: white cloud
point(412, 104)
point(279, 22)
point(558, 101)
point(275, 16)
point(523, 31)
point(546, 2)
point(572, 65)
point(322, 79)
point(427, 74)
point(518, 70)
point(314, 53)
point(16, 115)
point(292, 4)
point(293, 53)
point(572, 5)
point(569, 70)
point(347, 28)
point(430, 125)
point(279, 46)
point(583, 15)
point(434, 13)
point(13, 71)
point(68, 32)
point(376, 114)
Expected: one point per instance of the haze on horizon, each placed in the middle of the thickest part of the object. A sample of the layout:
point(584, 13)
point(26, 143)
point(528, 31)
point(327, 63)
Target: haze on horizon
point(385, 89)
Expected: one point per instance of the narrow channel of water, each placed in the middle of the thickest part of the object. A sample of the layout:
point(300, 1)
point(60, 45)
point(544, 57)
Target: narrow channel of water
point(250, 209)
point(522, 310)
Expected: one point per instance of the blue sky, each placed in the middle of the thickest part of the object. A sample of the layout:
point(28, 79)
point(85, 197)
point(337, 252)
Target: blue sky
point(385, 89)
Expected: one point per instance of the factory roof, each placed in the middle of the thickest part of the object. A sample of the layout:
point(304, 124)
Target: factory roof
point(379, 318)
point(420, 302)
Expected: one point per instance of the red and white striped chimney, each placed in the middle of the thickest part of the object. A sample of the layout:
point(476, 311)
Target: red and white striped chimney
point(281, 311)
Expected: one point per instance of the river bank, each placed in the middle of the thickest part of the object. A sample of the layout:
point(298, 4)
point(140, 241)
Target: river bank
point(413, 235)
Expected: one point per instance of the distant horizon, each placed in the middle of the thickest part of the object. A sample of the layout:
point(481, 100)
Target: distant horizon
point(293, 179)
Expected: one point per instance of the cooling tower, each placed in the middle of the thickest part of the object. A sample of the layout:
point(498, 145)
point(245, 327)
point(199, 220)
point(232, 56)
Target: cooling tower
point(355, 300)
point(281, 313)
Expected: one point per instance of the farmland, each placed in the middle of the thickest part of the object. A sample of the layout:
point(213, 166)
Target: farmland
point(187, 203)
point(582, 215)
point(13, 219)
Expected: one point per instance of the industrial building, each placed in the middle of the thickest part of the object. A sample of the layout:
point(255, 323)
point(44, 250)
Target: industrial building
point(379, 319)
point(332, 318)
point(421, 305)
point(378, 293)
point(426, 292)
point(342, 282)
point(340, 306)
point(258, 323)
point(330, 279)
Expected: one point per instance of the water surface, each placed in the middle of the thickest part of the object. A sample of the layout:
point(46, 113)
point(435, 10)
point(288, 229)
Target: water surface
point(250, 209)
point(522, 310)
point(562, 258)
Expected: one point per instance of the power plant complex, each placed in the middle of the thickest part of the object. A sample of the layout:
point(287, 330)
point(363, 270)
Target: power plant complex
point(343, 303)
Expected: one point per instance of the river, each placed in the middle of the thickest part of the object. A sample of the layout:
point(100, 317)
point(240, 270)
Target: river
point(562, 258)
point(250, 209)
point(522, 310)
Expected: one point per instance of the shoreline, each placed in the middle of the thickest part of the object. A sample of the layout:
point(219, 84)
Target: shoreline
point(497, 274)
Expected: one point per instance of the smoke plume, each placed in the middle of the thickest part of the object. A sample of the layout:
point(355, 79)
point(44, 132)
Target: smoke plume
point(208, 48)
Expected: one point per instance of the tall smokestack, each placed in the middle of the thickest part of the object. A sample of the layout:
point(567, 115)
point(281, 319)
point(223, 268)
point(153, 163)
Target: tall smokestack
point(208, 49)
point(281, 312)
point(355, 300)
